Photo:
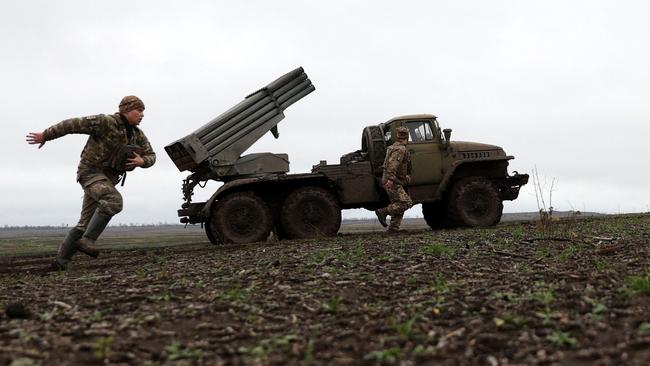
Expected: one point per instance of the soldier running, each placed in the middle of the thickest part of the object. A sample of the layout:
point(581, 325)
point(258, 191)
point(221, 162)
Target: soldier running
point(396, 175)
point(115, 145)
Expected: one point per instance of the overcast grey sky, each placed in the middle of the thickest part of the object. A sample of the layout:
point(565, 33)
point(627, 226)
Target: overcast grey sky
point(562, 85)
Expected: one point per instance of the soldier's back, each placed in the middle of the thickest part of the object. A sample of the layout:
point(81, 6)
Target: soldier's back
point(397, 152)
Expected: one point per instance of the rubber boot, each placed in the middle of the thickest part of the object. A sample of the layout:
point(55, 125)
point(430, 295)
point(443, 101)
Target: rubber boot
point(381, 216)
point(66, 250)
point(395, 222)
point(95, 227)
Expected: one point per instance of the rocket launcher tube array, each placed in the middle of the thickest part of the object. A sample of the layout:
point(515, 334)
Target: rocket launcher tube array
point(237, 135)
point(222, 132)
point(227, 136)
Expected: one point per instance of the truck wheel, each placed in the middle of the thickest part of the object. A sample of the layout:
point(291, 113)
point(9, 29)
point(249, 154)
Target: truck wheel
point(240, 218)
point(435, 215)
point(209, 231)
point(474, 201)
point(310, 212)
point(372, 142)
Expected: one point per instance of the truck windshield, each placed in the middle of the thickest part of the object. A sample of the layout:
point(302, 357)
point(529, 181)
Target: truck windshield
point(419, 131)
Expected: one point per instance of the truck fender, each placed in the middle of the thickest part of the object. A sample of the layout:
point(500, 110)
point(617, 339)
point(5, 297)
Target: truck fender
point(205, 211)
point(307, 178)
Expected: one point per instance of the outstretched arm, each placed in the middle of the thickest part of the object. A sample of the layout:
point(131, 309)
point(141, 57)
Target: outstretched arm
point(34, 138)
point(87, 125)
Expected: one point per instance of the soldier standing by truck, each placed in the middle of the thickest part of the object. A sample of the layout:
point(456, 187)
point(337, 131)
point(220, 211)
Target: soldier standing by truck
point(115, 145)
point(396, 175)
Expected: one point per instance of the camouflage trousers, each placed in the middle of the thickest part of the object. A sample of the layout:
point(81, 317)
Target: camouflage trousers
point(100, 195)
point(399, 203)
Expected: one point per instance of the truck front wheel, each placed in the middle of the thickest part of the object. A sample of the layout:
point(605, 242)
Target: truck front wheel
point(240, 218)
point(310, 212)
point(474, 201)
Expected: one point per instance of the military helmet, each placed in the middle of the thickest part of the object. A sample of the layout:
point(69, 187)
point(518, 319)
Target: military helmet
point(402, 132)
point(129, 103)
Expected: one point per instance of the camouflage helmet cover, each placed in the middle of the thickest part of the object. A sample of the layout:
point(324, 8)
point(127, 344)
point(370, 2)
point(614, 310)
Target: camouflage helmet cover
point(129, 103)
point(402, 132)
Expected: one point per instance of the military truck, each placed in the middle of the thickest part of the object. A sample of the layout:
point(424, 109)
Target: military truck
point(457, 183)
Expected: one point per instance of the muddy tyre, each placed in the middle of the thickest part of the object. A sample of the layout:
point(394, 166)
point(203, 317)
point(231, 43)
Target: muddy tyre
point(474, 201)
point(240, 218)
point(435, 214)
point(374, 144)
point(310, 212)
point(209, 231)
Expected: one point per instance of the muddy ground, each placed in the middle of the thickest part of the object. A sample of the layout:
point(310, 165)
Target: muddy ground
point(573, 292)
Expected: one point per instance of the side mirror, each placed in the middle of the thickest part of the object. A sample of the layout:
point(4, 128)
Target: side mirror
point(447, 132)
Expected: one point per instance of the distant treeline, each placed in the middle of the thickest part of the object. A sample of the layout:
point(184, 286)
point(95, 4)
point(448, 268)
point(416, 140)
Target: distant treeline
point(506, 217)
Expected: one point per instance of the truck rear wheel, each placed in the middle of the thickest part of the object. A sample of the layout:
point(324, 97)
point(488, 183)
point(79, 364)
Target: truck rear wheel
point(474, 201)
point(240, 218)
point(435, 214)
point(310, 212)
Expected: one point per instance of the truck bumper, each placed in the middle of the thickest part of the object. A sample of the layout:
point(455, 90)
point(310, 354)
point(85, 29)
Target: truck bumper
point(192, 213)
point(509, 189)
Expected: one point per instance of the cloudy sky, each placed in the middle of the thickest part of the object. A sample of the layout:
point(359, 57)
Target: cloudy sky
point(562, 85)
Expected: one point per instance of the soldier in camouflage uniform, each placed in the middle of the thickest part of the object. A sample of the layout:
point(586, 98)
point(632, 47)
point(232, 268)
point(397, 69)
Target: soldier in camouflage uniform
point(115, 145)
point(396, 175)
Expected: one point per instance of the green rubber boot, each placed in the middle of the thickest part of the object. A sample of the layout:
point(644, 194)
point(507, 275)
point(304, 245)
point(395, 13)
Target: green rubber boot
point(67, 249)
point(96, 226)
point(395, 222)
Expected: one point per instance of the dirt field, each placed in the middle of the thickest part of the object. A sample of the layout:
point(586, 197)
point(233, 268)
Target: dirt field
point(574, 292)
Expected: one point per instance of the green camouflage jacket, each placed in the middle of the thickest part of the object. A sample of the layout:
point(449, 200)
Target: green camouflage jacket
point(396, 163)
point(109, 136)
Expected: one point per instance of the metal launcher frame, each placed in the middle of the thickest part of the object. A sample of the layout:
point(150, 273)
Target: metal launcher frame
point(214, 150)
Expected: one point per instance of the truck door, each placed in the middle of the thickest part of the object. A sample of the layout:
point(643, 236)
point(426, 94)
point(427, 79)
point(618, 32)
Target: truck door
point(426, 158)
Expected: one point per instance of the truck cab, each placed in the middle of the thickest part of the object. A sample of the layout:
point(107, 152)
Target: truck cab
point(426, 146)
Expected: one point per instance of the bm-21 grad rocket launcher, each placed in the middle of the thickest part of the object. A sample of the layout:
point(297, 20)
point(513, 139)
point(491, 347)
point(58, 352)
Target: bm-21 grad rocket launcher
point(458, 183)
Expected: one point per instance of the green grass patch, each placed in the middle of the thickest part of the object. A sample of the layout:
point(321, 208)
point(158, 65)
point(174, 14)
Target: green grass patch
point(516, 320)
point(351, 254)
point(597, 307)
point(388, 355)
point(601, 265)
point(562, 338)
point(318, 256)
point(332, 306)
point(503, 243)
point(438, 250)
point(638, 285)
point(236, 294)
point(267, 346)
point(644, 328)
point(403, 329)
point(175, 351)
point(543, 251)
point(545, 296)
point(568, 252)
point(102, 347)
